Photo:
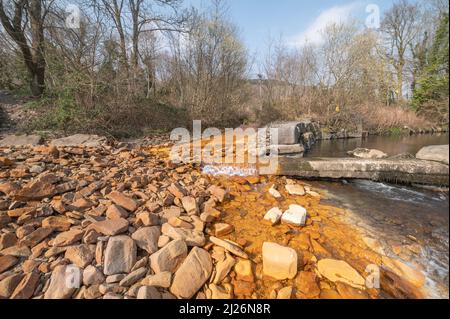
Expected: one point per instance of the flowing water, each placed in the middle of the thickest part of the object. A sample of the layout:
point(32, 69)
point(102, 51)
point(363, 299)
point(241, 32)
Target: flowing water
point(411, 224)
point(398, 216)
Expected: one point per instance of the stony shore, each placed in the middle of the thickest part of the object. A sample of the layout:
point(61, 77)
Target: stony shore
point(124, 222)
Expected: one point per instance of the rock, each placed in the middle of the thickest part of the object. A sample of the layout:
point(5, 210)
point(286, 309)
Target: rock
point(5, 162)
point(438, 153)
point(67, 238)
point(36, 237)
point(230, 246)
point(25, 289)
point(273, 216)
point(21, 140)
point(190, 205)
point(80, 140)
point(179, 223)
point(295, 189)
point(192, 274)
point(62, 284)
point(190, 236)
point(8, 284)
point(295, 215)
point(279, 262)
point(133, 277)
point(116, 212)
point(177, 190)
point(244, 270)
point(111, 227)
point(329, 294)
point(16, 251)
point(340, 271)
point(285, 293)
point(282, 149)
point(244, 289)
point(36, 190)
point(219, 193)
point(348, 292)
point(219, 293)
point(169, 257)
point(80, 255)
point(124, 201)
point(92, 276)
point(223, 268)
point(276, 194)
point(57, 223)
point(367, 153)
point(7, 240)
point(222, 229)
point(147, 292)
point(6, 262)
point(148, 219)
point(120, 255)
point(162, 279)
point(307, 284)
point(146, 238)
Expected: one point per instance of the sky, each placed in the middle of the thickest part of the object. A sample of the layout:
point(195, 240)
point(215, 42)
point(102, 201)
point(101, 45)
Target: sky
point(296, 21)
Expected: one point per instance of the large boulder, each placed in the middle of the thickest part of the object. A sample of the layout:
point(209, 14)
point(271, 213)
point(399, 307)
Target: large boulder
point(63, 283)
point(436, 153)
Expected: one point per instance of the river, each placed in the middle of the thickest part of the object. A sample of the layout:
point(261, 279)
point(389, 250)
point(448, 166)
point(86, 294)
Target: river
point(400, 217)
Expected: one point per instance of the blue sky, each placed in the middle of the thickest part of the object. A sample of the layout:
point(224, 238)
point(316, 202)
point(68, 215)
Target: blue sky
point(294, 20)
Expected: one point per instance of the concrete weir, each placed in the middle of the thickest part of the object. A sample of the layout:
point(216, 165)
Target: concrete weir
point(403, 171)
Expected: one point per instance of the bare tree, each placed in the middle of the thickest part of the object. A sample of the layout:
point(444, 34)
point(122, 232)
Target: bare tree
point(19, 18)
point(400, 26)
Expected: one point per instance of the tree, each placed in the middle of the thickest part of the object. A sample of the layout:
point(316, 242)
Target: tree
point(18, 18)
point(400, 26)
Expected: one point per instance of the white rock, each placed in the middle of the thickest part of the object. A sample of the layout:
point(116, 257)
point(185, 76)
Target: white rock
point(295, 215)
point(273, 215)
point(274, 192)
point(294, 189)
point(279, 262)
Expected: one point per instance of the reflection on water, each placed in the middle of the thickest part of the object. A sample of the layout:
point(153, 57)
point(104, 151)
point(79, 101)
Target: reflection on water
point(391, 145)
point(401, 216)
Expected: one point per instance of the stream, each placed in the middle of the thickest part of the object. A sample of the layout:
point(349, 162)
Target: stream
point(399, 216)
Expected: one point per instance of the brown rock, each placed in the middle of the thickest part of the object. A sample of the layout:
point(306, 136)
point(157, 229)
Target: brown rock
point(58, 223)
point(219, 193)
point(116, 212)
point(8, 285)
point(279, 262)
point(36, 237)
point(7, 240)
point(124, 201)
point(348, 292)
point(80, 255)
point(67, 238)
point(16, 251)
point(36, 190)
point(222, 229)
point(177, 191)
point(307, 285)
point(111, 227)
point(190, 205)
point(146, 238)
point(6, 262)
point(25, 289)
point(244, 270)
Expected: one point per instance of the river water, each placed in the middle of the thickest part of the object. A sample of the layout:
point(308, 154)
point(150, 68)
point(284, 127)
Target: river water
point(399, 216)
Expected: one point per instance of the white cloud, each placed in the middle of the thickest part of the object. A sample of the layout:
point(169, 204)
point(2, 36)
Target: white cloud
point(336, 14)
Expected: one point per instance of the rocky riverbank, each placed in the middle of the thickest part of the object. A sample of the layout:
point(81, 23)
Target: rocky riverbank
point(124, 222)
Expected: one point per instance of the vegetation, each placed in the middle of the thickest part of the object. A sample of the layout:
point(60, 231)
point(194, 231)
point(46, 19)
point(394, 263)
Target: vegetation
point(136, 65)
